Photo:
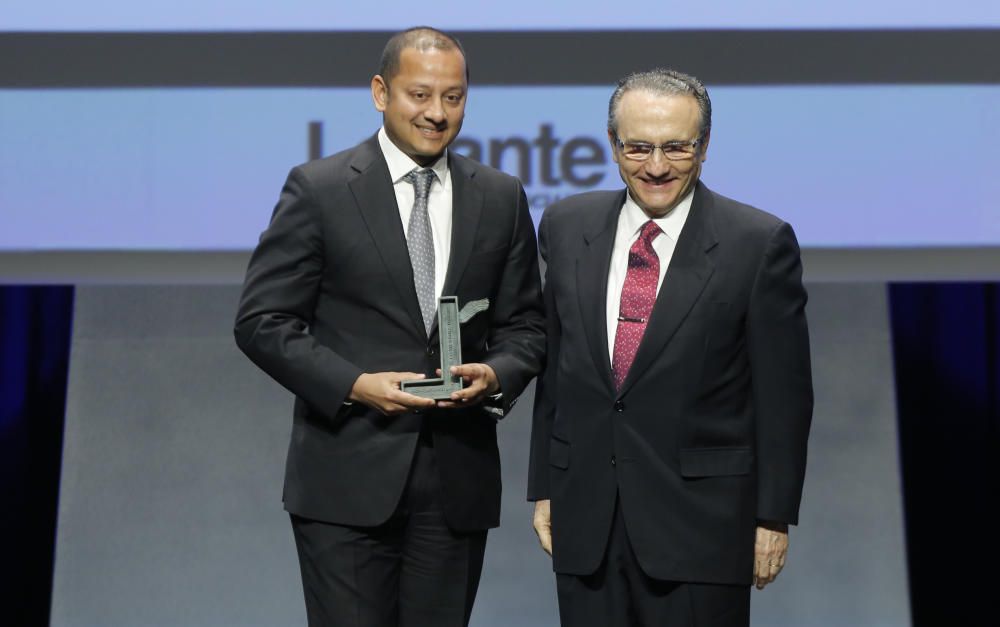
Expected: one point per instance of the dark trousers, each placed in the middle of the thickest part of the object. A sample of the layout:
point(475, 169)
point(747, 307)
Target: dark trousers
point(412, 571)
point(620, 594)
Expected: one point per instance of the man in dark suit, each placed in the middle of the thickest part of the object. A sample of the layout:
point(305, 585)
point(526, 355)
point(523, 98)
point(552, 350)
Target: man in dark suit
point(669, 439)
point(390, 494)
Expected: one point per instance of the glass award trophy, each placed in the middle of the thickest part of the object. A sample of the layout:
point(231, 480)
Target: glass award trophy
point(450, 320)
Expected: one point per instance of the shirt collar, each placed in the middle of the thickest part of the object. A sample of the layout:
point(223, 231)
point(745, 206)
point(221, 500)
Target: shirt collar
point(633, 217)
point(400, 164)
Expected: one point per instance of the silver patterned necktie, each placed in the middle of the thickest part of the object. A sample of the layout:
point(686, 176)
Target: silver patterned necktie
point(420, 243)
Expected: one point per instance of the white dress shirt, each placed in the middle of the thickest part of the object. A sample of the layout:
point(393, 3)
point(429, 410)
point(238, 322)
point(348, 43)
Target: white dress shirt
point(438, 201)
point(630, 221)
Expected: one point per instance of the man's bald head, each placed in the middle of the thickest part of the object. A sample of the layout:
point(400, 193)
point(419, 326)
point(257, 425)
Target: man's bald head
point(421, 38)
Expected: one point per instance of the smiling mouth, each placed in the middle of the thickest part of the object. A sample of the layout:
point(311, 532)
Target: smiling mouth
point(430, 132)
point(658, 182)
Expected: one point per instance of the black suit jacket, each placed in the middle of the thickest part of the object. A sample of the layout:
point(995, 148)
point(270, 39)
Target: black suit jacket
point(708, 434)
point(329, 295)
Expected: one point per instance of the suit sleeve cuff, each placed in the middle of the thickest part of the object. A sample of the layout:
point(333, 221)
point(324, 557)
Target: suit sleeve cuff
point(496, 406)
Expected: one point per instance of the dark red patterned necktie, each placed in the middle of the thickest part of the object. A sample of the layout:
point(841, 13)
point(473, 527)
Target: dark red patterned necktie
point(638, 296)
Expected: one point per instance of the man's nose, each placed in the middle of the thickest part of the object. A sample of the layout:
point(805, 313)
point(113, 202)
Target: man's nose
point(657, 164)
point(435, 111)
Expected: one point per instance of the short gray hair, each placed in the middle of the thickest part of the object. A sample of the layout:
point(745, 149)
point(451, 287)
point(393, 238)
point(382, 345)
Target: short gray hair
point(663, 82)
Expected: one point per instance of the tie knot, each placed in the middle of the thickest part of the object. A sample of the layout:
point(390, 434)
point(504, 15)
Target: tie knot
point(421, 180)
point(649, 232)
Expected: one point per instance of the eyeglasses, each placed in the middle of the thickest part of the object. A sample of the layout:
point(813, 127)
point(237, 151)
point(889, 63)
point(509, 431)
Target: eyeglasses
point(673, 151)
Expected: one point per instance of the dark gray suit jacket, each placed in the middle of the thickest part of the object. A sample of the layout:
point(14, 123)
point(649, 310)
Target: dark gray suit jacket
point(708, 434)
point(329, 295)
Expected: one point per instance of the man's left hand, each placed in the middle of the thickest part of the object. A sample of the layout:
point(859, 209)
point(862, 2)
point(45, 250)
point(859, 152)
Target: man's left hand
point(770, 551)
point(480, 382)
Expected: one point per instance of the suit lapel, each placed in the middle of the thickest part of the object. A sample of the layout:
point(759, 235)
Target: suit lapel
point(373, 192)
point(592, 282)
point(466, 210)
point(688, 274)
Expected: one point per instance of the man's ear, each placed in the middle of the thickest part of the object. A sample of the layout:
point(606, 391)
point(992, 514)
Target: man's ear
point(704, 147)
point(614, 145)
point(380, 93)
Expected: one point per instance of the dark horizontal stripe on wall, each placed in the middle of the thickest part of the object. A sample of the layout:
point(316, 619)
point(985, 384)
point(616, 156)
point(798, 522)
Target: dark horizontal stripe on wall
point(348, 59)
point(150, 267)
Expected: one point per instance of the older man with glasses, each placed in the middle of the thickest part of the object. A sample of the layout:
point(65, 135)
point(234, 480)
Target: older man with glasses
point(670, 427)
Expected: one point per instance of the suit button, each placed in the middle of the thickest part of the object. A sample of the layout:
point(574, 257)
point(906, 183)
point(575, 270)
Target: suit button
point(431, 352)
point(619, 406)
point(612, 460)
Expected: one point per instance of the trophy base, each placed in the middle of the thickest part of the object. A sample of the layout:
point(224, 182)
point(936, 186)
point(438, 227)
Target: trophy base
point(436, 389)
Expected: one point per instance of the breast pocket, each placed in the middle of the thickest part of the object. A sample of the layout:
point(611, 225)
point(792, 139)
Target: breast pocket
point(491, 255)
point(484, 269)
point(725, 337)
